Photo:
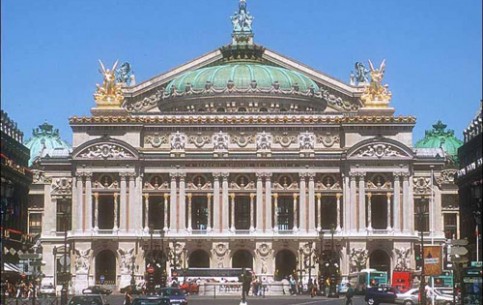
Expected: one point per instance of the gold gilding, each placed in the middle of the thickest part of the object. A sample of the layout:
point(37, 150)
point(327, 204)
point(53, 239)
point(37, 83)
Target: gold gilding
point(109, 94)
point(376, 95)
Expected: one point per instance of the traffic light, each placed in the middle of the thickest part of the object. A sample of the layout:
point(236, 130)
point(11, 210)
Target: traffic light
point(417, 255)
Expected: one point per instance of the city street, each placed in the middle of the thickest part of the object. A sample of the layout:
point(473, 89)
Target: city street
point(272, 300)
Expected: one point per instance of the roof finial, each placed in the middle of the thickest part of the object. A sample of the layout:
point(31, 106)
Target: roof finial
point(242, 25)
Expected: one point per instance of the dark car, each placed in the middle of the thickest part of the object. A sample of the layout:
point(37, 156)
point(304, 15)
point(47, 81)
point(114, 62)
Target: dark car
point(88, 299)
point(151, 300)
point(381, 294)
point(96, 290)
point(175, 295)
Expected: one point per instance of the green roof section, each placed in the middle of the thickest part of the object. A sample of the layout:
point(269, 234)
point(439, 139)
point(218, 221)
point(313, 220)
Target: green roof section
point(439, 137)
point(242, 74)
point(46, 141)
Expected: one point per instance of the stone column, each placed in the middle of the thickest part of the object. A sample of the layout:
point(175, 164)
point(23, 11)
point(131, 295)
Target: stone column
point(182, 203)
point(338, 195)
point(303, 223)
point(268, 202)
point(146, 212)
point(208, 207)
point(88, 203)
point(80, 208)
point(369, 211)
point(346, 199)
point(319, 211)
point(115, 228)
point(225, 202)
point(275, 212)
point(260, 215)
point(123, 202)
point(411, 205)
point(166, 211)
point(132, 219)
point(352, 204)
point(232, 212)
point(216, 202)
point(405, 204)
point(252, 211)
point(295, 211)
point(96, 212)
point(388, 211)
point(75, 206)
point(311, 210)
point(362, 203)
point(173, 205)
point(190, 228)
point(396, 204)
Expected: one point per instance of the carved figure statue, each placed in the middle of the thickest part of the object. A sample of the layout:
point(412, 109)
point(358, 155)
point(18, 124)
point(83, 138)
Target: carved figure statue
point(306, 141)
point(264, 141)
point(82, 260)
point(178, 141)
point(123, 74)
point(220, 141)
point(358, 258)
point(402, 258)
point(110, 92)
point(220, 251)
point(242, 20)
point(126, 259)
point(361, 73)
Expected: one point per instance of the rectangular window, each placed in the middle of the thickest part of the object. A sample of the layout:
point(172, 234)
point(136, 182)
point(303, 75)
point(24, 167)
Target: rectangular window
point(64, 217)
point(35, 223)
point(450, 228)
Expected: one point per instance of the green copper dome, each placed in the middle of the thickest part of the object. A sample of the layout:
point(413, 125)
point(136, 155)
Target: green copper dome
point(46, 141)
point(438, 137)
point(241, 75)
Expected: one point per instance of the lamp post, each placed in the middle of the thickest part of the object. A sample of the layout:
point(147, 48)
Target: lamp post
point(333, 265)
point(421, 212)
point(163, 261)
point(321, 263)
point(301, 253)
point(243, 280)
point(150, 271)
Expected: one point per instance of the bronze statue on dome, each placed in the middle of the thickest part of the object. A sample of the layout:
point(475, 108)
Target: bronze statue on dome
point(242, 20)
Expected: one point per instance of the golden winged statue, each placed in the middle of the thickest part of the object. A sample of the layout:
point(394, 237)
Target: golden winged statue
point(109, 93)
point(376, 95)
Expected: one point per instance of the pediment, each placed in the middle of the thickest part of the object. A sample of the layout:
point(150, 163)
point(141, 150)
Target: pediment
point(379, 148)
point(144, 97)
point(105, 149)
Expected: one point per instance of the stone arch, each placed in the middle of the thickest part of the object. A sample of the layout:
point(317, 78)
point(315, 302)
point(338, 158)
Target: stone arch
point(380, 261)
point(199, 259)
point(105, 148)
point(242, 259)
point(380, 148)
point(285, 264)
point(106, 266)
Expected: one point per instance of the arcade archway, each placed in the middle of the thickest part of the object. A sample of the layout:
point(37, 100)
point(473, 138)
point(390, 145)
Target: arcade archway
point(199, 259)
point(380, 261)
point(242, 259)
point(106, 268)
point(285, 264)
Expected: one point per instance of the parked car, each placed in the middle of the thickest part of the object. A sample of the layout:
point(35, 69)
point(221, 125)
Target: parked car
point(380, 294)
point(96, 290)
point(88, 299)
point(47, 290)
point(151, 300)
point(410, 297)
point(175, 295)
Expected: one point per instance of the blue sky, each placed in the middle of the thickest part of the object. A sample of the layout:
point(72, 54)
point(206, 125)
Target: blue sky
point(50, 48)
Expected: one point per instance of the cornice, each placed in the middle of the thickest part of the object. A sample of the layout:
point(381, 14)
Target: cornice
point(241, 119)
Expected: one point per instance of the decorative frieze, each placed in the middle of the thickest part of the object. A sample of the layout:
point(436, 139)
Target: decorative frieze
point(422, 185)
point(61, 187)
point(379, 150)
point(105, 151)
point(328, 140)
point(447, 176)
point(242, 139)
point(264, 144)
point(285, 140)
point(199, 140)
point(156, 140)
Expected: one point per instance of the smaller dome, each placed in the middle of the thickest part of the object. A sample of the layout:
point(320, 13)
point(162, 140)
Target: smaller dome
point(46, 141)
point(438, 137)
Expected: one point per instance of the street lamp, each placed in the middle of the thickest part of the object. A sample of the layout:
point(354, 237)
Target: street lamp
point(321, 263)
point(421, 210)
point(334, 266)
point(243, 282)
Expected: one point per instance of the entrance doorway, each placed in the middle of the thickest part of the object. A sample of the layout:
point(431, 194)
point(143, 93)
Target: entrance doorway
point(285, 264)
point(242, 259)
point(380, 261)
point(199, 259)
point(105, 268)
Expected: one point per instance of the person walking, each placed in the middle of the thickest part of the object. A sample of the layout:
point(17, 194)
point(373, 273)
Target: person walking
point(348, 295)
point(128, 297)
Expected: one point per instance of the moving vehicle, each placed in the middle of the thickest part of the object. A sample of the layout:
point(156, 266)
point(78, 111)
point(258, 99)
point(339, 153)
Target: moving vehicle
point(343, 285)
point(175, 295)
point(151, 300)
point(367, 278)
point(88, 299)
point(48, 290)
point(471, 293)
point(410, 297)
point(380, 294)
point(96, 290)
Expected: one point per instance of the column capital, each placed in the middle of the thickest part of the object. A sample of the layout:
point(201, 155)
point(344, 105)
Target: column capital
point(123, 176)
point(397, 175)
point(225, 176)
point(146, 195)
point(166, 195)
point(115, 195)
point(389, 195)
point(275, 195)
point(216, 175)
point(267, 175)
point(232, 196)
point(79, 175)
point(338, 195)
point(318, 195)
point(295, 195)
point(252, 195)
point(96, 195)
point(88, 175)
point(406, 176)
point(189, 195)
point(173, 175)
point(209, 195)
point(260, 176)
point(369, 194)
point(182, 176)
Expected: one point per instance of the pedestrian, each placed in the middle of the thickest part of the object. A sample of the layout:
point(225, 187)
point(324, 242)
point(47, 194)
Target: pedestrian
point(313, 292)
point(128, 297)
point(348, 295)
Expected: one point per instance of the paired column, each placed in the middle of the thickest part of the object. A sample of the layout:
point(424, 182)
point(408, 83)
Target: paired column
point(232, 214)
point(352, 204)
point(216, 203)
point(252, 211)
point(123, 202)
point(79, 208)
point(311, 203)
point(208, 207)
point(115, 227)
point(346, 202)
point(406, 205)
point(369, 211)
point(275, 212)
point(181, 216)
point(268, 202)
point(319, 211)
point(295, 212)
point(166, 211)
point(146, 212)
point(388, 211)
point(303, 203)
point(88, 202)
point(396, 204)
point(173, 204)
point(225, 202)
point(133, 220)
point(338, 210)
point(189, 195)
point(96, 211)
point(362, 203)
point(260, 215)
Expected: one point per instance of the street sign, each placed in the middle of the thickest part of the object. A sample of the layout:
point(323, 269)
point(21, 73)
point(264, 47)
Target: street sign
point(30, 256)
point(459, 251)
point(37, 263)
point(63, 277)
point(460, 259)
point(459, 242)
